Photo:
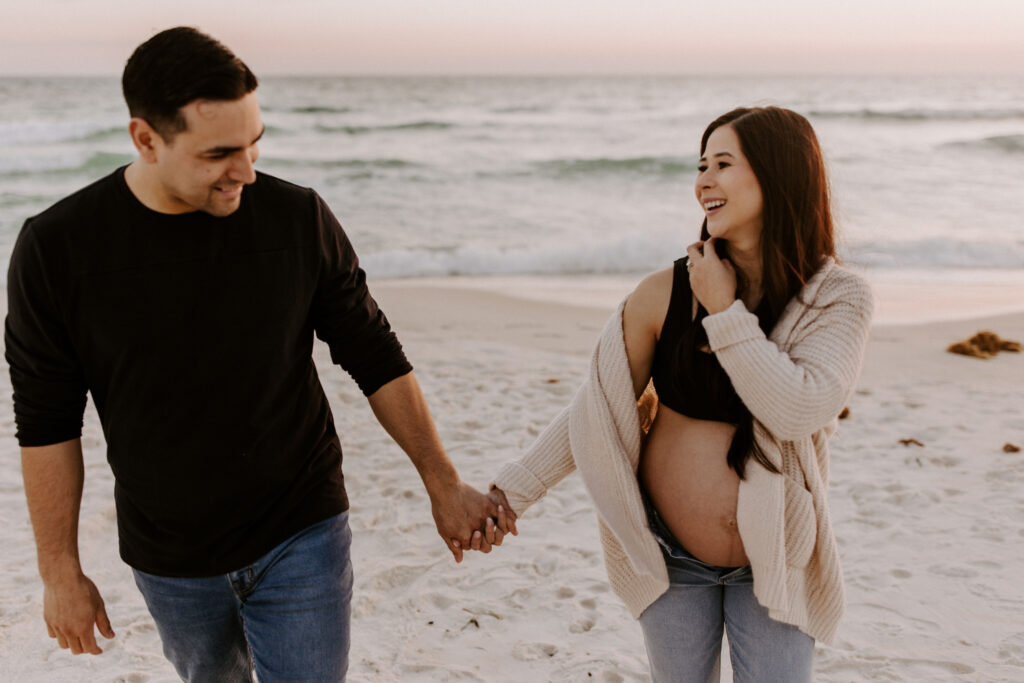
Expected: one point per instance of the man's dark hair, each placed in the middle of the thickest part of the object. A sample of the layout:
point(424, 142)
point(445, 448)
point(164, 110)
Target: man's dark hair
point(178, 66)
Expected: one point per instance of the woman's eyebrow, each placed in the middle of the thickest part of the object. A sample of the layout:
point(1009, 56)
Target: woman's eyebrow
point(718, 154)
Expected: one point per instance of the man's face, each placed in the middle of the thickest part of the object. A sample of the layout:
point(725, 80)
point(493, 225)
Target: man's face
point(205, 167)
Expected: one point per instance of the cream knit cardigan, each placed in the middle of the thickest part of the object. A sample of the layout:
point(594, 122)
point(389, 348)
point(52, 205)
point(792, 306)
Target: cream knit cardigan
point(794, 382)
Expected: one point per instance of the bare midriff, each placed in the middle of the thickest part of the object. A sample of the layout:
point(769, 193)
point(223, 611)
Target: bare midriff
point(684, 470)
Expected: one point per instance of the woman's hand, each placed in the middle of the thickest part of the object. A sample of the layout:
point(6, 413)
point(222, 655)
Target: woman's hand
point(495, 528)
point(713, 280)
point(506, 518)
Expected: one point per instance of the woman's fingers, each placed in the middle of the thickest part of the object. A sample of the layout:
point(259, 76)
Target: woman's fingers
point(509, 523)
point(695, 252)
point(503, 522)
point(494, 533)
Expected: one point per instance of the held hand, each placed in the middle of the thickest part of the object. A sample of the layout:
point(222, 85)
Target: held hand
point(458, 512)
point(506, 517)
point(484, 539)
point(713, 280)
point(496, 529)
point(71, 607)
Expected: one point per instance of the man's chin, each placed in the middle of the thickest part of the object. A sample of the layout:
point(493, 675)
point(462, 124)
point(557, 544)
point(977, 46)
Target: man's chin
point(220, 209)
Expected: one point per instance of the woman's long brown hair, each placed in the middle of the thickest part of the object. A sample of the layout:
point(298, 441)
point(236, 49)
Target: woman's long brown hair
point(796, 236)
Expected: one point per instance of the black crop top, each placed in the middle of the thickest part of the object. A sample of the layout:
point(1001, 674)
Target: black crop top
point(705, 392)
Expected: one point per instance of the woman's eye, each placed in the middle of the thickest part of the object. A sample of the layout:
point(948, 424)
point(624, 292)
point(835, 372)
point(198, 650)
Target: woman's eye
point(723, 164)
point(701, 169)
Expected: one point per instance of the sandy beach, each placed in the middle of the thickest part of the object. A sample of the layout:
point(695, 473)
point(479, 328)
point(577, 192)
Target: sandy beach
point(931, 531)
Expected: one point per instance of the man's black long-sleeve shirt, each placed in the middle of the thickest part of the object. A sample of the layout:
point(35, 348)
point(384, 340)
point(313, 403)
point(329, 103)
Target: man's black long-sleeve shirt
point(194, 335)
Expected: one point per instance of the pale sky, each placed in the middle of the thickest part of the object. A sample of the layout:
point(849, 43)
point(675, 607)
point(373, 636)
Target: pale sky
point(530, 36)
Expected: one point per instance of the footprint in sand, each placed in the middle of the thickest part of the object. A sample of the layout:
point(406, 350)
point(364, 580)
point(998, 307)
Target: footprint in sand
point(985, 564)
point(952, 572)
point(928, 667)
point(528, 652)
point(440, 600)
point(582, 625)
point(1011, 650)
point(394, 577)
point(944, 461)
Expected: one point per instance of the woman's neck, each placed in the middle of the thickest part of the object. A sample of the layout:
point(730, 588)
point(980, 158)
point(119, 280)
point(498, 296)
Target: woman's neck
point(747, 261)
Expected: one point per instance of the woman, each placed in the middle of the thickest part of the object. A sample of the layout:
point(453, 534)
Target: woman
point(718, 516)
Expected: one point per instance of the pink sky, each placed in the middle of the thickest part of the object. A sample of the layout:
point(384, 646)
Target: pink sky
point(534, 36)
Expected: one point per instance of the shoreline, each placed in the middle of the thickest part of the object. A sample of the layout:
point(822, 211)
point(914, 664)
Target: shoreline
point(910, 297)
point(450, 311)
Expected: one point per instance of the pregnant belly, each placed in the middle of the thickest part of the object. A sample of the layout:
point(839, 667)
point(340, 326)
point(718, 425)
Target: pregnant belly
point(684, 470)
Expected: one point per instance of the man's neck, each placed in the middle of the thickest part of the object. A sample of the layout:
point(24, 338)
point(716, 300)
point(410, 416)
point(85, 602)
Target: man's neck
point(143, 186)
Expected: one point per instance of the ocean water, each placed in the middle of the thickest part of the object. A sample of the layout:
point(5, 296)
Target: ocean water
point(576, 176)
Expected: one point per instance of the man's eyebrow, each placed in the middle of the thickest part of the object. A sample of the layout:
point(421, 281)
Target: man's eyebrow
point(231, 150)
point(719, 154)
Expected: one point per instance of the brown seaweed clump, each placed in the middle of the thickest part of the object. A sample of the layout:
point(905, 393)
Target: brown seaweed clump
point(984, 344)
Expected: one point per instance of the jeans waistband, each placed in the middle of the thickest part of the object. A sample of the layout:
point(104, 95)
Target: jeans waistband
point(667, 540)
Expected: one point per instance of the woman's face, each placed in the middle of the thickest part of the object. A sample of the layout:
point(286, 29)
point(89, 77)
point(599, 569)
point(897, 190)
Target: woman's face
point(728, 190)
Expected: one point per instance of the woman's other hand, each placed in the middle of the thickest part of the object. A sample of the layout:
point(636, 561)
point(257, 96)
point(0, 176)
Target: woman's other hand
point(712, 279)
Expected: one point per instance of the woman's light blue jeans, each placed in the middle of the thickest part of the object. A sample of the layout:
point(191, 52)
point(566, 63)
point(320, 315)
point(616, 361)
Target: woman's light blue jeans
point(286, 616)
point(683, 628)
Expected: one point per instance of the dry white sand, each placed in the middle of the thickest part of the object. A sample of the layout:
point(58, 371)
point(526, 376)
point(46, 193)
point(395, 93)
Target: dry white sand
point(932, 536)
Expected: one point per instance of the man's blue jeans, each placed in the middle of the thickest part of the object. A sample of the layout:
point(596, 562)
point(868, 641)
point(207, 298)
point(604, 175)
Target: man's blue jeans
point(286, 616)
point(683, 628)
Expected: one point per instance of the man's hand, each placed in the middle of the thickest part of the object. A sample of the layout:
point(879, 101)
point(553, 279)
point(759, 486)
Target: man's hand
point(53, 490)
point(70, 608)
point(495, 529)
point(465, 518)
point(461, 514)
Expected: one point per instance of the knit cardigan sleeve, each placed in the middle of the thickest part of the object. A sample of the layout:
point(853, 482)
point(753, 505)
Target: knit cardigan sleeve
point(548, 461)
point(551, 458)
point(796, 392)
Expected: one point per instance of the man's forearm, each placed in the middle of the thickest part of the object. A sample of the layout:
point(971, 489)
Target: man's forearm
point(460, 512)
point(402, 411)
point(53, 478)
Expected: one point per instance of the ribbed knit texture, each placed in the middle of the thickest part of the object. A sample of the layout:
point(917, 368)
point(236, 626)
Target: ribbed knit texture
point(794, 382)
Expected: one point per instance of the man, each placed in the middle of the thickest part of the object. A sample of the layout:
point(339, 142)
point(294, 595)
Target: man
point(183, 291)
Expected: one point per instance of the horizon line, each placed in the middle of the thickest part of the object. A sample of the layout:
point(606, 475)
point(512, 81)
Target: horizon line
point(578, 74)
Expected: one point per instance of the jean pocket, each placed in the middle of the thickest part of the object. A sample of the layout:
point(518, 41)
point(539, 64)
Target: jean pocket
point(801, 524)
